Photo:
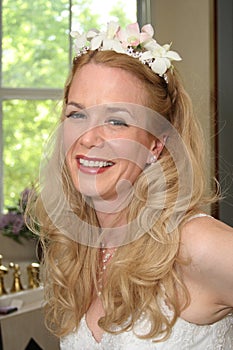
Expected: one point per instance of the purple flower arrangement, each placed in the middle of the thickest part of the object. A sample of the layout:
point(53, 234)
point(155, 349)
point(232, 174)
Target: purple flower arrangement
point(12, 223)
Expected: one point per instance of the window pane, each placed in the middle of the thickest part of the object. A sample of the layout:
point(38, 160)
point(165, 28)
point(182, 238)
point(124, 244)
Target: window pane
point(88, 14)
point(27, 125)
point(35, 46)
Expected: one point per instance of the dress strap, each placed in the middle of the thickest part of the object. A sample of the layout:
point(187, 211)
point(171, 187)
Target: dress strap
point(199, 215)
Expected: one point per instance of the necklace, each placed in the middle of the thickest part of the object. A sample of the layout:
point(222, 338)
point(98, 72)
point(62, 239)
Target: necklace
point(106, 256)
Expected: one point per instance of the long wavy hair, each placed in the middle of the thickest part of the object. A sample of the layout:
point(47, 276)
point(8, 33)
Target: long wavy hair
point(143, 272)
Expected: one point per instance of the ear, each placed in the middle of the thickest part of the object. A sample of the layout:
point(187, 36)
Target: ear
point(156, 148)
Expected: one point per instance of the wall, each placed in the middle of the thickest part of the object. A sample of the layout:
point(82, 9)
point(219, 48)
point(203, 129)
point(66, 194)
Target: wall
point(225, 106)
point(189, 25)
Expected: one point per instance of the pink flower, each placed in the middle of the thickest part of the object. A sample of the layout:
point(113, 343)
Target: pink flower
point(147, 33)
point(131, 36)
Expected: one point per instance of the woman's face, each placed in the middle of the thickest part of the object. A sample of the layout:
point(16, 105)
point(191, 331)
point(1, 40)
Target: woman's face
point(106, 150)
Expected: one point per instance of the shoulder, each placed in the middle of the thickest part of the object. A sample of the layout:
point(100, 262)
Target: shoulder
point(207, 244)
point(205, 236)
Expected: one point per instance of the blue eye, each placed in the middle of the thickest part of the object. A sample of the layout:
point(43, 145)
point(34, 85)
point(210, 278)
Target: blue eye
point(76, 115)
point(117, 122)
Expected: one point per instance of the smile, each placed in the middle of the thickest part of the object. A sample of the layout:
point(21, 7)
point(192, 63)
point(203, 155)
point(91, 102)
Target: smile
point(94, 163)
point(93, 166)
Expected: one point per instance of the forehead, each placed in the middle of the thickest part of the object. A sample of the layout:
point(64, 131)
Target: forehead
point(97, 84)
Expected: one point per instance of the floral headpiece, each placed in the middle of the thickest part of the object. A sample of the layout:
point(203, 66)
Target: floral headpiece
point(129, 41)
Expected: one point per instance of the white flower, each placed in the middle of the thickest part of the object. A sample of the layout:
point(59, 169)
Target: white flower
point(160, 57)
point(105, 40)
point(129, 41)
point(80, 40)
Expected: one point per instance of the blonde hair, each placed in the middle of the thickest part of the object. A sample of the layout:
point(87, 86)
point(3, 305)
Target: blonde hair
point(142, 272)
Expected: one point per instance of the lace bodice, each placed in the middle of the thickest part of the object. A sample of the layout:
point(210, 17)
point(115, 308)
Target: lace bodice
point(184, 336)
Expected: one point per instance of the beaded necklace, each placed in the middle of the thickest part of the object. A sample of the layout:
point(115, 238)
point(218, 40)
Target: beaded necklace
point(106, 256)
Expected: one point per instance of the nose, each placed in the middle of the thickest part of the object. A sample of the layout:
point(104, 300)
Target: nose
point(92, 138)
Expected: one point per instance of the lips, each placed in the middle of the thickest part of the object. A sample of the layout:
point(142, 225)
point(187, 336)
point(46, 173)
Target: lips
point(93, 165)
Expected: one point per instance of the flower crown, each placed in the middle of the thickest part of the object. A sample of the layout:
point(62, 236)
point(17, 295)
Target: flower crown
point(129, 41)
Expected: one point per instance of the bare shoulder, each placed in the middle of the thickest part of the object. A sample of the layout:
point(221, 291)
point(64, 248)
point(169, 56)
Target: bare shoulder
point(203, 236)
point(208, 244)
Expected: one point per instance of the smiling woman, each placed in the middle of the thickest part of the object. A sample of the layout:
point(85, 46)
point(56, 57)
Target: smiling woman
point(131, 258)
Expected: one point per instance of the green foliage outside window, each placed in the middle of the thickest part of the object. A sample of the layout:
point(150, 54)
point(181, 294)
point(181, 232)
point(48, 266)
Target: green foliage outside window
point(35, 52)
point(27, 125)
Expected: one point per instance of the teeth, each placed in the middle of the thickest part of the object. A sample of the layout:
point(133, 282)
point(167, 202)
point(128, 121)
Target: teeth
point(94, 164)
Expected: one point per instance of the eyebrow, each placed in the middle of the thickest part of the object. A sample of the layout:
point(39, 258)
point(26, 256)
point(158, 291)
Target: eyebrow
point(76, 104)
point(109, 108)
point(112, 109)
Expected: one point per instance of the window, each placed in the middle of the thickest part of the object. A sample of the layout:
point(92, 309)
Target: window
point(36, 52)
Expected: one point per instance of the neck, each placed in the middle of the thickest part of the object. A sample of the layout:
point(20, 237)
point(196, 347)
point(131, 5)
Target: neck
point(111, 220)
point(113, 227)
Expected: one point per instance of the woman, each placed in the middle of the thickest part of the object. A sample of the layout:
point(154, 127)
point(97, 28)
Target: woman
point(131, 259)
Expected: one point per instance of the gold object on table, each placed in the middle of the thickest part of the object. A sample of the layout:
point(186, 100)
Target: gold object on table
point(3, 272)
point(33, 275)
point(17, 285)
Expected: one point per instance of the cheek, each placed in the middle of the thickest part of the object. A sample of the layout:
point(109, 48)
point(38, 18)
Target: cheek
point(71, 132)
point(69, 138)
point(130, 151)
point(69, 158)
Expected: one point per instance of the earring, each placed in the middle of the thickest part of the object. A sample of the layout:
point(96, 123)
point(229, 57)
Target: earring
point(153, 159)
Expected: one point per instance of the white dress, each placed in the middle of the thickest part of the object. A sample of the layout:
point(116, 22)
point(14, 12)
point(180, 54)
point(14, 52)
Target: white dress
point(184, 336)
